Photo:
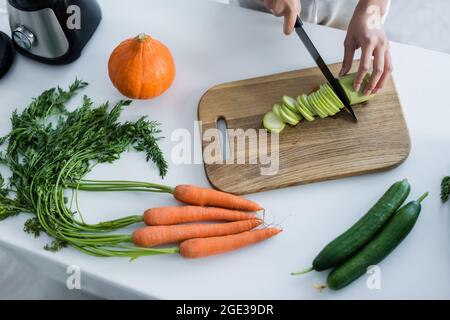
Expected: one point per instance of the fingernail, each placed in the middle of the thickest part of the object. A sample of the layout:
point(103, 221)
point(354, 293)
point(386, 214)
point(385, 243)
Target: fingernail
point(357, 87)
point(375, 91)
point(367, 92)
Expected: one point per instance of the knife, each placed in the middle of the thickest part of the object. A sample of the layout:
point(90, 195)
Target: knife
point(334, 83)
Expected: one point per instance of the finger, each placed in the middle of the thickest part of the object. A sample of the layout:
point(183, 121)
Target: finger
point(268, 4)
point(364, 66)
point(387, 72)
point(298, 7)
point(289, 22)
point(349, 53)
point(378, 70)
point(279, 8)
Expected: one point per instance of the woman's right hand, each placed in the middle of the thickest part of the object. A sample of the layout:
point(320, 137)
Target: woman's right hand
point(289, 9)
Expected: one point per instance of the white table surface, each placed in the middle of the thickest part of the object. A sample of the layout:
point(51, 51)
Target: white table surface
point(213, 43)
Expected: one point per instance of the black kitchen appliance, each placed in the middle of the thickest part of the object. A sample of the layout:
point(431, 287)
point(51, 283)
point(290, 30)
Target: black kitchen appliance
point(53, 31)
point(6, 54)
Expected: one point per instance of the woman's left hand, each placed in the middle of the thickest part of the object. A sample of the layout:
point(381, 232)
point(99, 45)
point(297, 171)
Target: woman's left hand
point(366, 31)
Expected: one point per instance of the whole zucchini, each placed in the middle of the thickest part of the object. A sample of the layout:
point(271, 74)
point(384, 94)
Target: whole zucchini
point(377, 249)
point(364, 229)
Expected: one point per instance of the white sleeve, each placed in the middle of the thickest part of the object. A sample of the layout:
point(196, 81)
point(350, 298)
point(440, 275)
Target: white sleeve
point(333, 13)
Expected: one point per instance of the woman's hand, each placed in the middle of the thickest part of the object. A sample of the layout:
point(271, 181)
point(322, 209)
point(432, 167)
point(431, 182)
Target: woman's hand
point(366, 31)
point(289, 9)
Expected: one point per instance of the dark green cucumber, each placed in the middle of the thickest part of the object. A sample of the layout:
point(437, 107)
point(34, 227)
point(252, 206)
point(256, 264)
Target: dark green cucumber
point(379, 247)
point(363, 231)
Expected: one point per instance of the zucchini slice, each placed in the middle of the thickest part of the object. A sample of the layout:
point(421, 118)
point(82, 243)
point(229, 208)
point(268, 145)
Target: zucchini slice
point(320, 94)
point(316, 111)
point(301, 100)
point(288, 116)
point(290, 103)
point(333, 97)
point(272, 123)
point(329, 111)
point(326, 96)
point(304, 111)
point(276, 110)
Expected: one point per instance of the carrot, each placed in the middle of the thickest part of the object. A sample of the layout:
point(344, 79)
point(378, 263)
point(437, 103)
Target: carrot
point(198, 248)
point(157, 235)
point(176, 215)
point(208, 197)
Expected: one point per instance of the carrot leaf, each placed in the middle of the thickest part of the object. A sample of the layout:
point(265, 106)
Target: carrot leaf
point(51, 147)
point(445, 189)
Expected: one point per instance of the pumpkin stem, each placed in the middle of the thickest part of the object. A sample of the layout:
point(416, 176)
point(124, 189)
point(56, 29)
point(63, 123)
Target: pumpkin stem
point(141, 37)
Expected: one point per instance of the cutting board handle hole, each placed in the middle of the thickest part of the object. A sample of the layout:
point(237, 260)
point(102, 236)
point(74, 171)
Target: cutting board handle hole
point(225, 146)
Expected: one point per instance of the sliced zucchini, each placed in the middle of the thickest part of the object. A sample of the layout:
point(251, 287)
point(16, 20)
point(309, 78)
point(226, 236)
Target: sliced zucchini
point(276, 110)
point(320, 94)
point(333, 97)
point(288, 116)
point(328, 99)
point(304, 111)
point(301, 101)
point(272, 123)
point(323, 103)
point(317, 111)
point(319, 104)
point(290, 103)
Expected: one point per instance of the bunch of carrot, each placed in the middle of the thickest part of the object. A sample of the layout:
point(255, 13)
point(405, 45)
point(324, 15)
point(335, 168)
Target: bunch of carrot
point(186, 224)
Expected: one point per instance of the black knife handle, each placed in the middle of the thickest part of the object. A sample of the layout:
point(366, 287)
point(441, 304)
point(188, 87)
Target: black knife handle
point(298, 23)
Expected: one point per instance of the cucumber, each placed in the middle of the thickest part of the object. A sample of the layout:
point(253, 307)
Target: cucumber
point(364, 229)
point(273, 123)
point(379, 247)
point(288, 116)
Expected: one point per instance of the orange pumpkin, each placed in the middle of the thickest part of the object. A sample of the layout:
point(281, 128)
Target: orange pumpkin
point(141, 67)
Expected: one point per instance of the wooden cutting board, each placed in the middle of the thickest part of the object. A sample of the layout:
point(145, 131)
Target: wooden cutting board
point(324, 149)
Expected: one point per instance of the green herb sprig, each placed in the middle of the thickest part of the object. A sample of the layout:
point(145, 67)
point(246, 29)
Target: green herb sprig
point(445, 189)
point(50, 149)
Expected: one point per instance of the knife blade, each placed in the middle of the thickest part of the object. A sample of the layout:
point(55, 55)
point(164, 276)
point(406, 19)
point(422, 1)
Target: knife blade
point(334, 83)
